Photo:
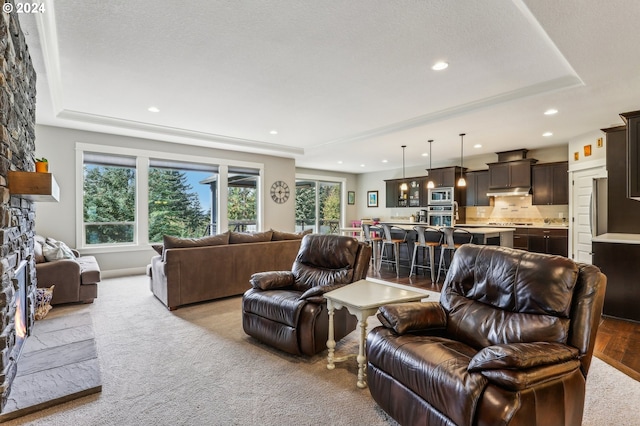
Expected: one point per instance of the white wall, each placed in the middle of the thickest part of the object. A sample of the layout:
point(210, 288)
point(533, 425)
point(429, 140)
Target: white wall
point(577, 146)
point(58, 220)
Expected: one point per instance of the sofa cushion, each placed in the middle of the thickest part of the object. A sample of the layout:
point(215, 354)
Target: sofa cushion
point(249, 237)
point(522, 356)
point(279, 236)
point(57, 251)
point(281, 306)
point(313, 267)
point(515, 296)
point(211, 240)
point(89, 270)
point(434, 368)
point(37, 250)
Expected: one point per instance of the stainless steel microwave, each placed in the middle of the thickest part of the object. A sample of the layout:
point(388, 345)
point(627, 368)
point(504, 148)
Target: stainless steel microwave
point(441, 195)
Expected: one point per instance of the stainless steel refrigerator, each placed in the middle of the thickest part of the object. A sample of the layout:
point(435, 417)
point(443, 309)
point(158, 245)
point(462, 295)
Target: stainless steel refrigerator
point(598, 211)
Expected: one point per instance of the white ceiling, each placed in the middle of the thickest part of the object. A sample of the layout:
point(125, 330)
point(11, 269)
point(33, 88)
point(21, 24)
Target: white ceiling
point(341, 81)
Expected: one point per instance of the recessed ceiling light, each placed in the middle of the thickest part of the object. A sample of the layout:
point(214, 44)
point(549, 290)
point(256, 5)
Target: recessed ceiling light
point(477, 146)
point(274, 132)
point(153, 109)
point(361, 165)
point(547, 134)
point(439, 66)
point(551, 111)
point(425, 154)
point(385, 161)
point(339, 161)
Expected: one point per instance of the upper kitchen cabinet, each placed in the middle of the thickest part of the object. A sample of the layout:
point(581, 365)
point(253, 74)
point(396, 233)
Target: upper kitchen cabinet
point(412, 197)
point(632, 120)
point(511, 174)
point(550, 183)
point(513, 170)
point(477, 188)
point(444, 177)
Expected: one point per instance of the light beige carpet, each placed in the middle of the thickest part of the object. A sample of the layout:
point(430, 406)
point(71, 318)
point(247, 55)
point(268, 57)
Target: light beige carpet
point(195, 366)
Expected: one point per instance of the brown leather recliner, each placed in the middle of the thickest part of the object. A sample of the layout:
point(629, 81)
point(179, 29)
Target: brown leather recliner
point(287, 310)
point(509, 342)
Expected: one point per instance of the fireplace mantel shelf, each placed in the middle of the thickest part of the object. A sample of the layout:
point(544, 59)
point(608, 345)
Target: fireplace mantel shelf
point(34, 186)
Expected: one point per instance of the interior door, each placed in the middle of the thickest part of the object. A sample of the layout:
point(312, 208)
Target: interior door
point(582, 188)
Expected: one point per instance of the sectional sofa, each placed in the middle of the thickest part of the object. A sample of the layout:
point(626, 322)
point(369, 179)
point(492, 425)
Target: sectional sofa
point(187, 271)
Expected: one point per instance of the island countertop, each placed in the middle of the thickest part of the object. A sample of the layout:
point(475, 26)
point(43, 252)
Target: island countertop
point(481, 235)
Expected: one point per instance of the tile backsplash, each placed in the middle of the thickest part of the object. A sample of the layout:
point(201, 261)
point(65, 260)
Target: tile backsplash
point(518, 209)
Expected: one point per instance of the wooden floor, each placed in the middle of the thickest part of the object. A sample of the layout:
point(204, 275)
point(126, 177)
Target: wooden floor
point(617, 342)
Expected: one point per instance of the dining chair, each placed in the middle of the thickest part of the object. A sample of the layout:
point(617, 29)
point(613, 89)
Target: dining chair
point(452, 239)
point(428, 239)
point(395, 243)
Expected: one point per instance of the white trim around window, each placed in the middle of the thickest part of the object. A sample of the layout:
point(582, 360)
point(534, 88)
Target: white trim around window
point(142, 191)
point(343, 191)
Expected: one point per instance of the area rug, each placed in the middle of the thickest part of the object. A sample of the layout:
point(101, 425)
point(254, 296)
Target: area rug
point(195, 366)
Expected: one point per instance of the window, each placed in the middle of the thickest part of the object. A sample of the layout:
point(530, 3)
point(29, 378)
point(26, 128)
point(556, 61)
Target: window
point(133, 197)
point(318, 206)
point(242, 199)
point(109, 200)
point(180, 199)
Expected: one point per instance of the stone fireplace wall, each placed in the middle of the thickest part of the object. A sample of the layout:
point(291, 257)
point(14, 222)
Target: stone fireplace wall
point(17, 215)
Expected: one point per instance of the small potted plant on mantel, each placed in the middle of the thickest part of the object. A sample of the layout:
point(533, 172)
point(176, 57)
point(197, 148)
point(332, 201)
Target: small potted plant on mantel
point(42, 165)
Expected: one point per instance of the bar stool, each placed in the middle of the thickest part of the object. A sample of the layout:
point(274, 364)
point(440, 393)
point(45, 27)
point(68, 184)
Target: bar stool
point(452, 238)
point(426, 243)
point(374, 241)
point(395, 243)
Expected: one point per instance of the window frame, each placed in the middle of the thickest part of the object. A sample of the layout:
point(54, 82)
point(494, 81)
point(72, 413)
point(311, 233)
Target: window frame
point(328, 179)
point(141, 228)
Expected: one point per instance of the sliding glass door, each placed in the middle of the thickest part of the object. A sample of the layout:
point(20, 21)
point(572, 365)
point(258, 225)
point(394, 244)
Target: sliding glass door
point(318, 206)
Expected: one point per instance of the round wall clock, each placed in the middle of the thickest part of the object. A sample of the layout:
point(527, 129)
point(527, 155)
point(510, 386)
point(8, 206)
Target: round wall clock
point(280, 192)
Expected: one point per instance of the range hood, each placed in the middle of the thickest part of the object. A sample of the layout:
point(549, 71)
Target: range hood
point(509, 192)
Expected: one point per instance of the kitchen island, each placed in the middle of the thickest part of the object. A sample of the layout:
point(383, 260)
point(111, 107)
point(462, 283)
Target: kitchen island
point(497, 236)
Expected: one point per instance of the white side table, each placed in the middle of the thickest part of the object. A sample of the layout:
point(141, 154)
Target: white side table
point(362, 299)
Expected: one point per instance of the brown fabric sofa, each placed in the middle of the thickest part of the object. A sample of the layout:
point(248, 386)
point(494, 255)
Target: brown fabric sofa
point(75, 280)
point(287, 310)
point(509, 342)
point(197, 270)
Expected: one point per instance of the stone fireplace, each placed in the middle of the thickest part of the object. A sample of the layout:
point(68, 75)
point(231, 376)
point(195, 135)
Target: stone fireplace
point(17, 215)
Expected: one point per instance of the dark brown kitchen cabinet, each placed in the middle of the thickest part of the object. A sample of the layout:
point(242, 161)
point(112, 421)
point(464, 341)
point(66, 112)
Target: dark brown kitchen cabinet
point(511, 174)
point(632, 120)
point(550, 183)
point(444, 177)
point(477, 188)
point(619, 262)
point(412, 197)
point(392, 192)
point(521, 238)
point(549, 241)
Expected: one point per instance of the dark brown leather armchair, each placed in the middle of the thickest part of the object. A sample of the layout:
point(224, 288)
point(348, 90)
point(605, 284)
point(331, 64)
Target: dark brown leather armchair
point(509, 342)
point(287, 310)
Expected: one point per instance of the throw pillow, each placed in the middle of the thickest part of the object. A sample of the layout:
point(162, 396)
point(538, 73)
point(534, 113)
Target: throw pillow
point(249, 237)
point(57, 251)
point(212, 240)
point(159, 248)
point(43, 302)
point(280, 236)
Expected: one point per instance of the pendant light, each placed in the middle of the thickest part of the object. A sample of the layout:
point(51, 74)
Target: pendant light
point(430, 183)
point(403, 186)
point(461, 181)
